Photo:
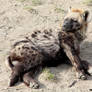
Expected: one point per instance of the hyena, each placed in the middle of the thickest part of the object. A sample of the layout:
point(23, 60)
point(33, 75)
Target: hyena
point(50, 47)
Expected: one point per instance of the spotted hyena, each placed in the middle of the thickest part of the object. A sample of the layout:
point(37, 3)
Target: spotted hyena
point(50, 48)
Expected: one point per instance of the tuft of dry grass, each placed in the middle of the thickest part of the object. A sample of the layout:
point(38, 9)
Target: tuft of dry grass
point(21, 0)
point(59, 10)
point(36, 2)
point(31, 9)
point(48, 75)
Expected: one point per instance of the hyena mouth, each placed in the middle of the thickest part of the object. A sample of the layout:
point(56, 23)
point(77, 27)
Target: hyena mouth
point(71, 25)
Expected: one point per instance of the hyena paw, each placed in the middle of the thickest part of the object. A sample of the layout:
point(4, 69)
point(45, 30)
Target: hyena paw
point(34, 85)
point(81, 76)
point(14, 79)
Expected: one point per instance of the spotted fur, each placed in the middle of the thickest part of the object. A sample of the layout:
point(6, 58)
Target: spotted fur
point(49, 47)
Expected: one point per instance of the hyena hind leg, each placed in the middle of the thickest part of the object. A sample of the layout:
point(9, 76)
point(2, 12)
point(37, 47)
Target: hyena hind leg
point(28, 77)
point(29, 80)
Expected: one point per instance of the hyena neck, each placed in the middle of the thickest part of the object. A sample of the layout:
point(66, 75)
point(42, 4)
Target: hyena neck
point(80, 36)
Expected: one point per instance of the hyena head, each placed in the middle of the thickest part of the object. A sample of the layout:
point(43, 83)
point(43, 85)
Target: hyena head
point(76, 21)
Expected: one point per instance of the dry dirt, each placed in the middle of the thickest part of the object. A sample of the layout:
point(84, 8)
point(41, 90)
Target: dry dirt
point(18, 17)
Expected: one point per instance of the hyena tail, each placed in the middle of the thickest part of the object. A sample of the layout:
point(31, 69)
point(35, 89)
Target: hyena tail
point(9, 63)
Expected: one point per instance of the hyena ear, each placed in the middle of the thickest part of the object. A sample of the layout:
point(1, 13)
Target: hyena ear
point(69, 9)
point(85, 15)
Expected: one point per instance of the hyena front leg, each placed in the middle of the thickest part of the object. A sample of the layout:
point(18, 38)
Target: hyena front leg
point(77, 48)
point(82, 69)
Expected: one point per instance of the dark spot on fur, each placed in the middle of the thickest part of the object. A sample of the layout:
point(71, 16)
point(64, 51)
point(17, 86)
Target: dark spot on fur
point(21, 53)
point(45, 36)
point(34, 55)
point(39, 31)
point(30, 51)
point(33, 35)
point(35, 32)
point(19, 48)
point(33, 48)
point(50, 30)
point(27, 48)
point(23, 47)
point(28, 56)
point(45, 31)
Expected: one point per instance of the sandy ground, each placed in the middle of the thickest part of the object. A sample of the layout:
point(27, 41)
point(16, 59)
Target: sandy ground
point(18, 17)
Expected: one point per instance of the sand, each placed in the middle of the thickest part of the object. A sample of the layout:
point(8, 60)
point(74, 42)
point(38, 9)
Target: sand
point(18, 17)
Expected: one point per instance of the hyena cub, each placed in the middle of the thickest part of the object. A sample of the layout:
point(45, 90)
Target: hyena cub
point(50, 48)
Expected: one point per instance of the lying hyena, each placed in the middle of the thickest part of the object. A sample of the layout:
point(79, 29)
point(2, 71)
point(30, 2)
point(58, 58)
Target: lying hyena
point(50, 48)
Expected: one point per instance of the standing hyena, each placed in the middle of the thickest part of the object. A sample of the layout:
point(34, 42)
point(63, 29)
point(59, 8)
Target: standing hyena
point(49, 48)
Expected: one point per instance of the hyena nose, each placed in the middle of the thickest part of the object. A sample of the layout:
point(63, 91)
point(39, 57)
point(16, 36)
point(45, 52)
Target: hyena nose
point(77, 26)
point(67, 25)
